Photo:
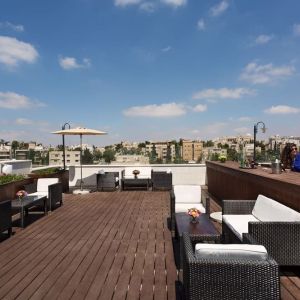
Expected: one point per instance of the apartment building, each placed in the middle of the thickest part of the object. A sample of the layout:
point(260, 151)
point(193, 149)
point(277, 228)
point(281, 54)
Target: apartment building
point(191, 150)
point(72, 158)
point(162, 149)
point(130, 159)
point(5, 152)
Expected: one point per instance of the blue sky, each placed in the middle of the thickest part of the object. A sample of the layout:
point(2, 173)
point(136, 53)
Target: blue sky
point(148, 69)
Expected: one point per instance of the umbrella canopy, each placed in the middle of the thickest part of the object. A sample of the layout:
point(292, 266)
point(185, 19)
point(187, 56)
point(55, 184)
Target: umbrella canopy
point(80, 131)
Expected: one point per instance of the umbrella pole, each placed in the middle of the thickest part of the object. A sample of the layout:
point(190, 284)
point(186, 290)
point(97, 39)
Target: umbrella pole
point(81, 183)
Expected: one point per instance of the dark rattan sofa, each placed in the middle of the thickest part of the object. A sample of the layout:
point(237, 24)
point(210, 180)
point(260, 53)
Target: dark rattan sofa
point(281, 239)
point(5, 217)
point(222, 278)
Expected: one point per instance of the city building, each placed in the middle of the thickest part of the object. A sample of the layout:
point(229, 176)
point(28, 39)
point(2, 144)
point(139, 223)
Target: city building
point(5, 152)
point(131, 159)
point(191, 150)
point(164, 150)
point(72, 157)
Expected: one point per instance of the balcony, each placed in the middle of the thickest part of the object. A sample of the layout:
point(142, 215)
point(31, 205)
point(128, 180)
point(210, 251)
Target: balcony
point(104, 245)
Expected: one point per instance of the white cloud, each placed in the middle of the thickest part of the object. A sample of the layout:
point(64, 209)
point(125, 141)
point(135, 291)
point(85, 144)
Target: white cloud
point(11, 100)
point(259, 74)
point(282, 110)
point(241, 130)
point(27, 122)
point(70, 63)
point(19, 28)
point(244, 119)
point(263, 39)
point(166, 49)
point(13, 51)
point(218, 9)
point(201, 25)
point(296, 29)
point(126, 2)
point(200, 108)
point(23, 121)
point(223, 93)
point(148, 7)
point(156, 110)
point(174, 3)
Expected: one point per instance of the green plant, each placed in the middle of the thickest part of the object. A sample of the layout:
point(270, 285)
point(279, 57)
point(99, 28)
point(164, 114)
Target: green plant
point(46, 171)
point(10, 178)
point(222, 158)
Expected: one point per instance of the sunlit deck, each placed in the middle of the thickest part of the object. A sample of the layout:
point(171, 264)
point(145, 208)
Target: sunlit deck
point(108, 245)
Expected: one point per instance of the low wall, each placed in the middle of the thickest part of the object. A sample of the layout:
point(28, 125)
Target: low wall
point(182, 173)
point(227, 181)
point(18, 166)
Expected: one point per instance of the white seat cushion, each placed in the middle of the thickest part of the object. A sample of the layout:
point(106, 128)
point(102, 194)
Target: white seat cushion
point(239, 223)
point(183, 207)
point(187, 193)
point(269, 210)
point(43, 183)
point(39, 194)
point(230, 251)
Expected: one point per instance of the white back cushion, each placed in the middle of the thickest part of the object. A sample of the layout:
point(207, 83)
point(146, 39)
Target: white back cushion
point(187, 193)
point(239, 223)
point(42, 184)
point(230, 251)
point(269, 210)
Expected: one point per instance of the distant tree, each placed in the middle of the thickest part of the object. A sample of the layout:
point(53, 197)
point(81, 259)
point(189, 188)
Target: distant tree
point(153, 155)
point(109, 155)
point(14, 146)
point(142, 145)
point(214, 157)
point(118, 147)
point(232, 155)
point(87, 157)
point(219, 145)
point(60, 147)
point(45, 159)
point(97, 155)
point(208, 144)
point(147, 142)
point(168, 155)
point(31, 155)
point(159, 161)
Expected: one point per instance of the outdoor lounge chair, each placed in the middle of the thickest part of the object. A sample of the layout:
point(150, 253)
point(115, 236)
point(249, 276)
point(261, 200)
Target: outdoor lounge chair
point(161, 181)
point(225, 274)
point(183, 197)
point(49, 187)
point(5, 217)
point(107, 181)
point(266, 222)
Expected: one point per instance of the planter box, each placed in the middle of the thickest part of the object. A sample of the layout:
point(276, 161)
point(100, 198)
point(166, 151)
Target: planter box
point(62, 175)
point(8, 190)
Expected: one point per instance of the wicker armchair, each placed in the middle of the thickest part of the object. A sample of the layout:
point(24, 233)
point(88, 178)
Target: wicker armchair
point(204, 199)
point(281, 239)
point(53, 193)
point(5, 217)
point(161, 181)
point(220, 279)
point(107, 181)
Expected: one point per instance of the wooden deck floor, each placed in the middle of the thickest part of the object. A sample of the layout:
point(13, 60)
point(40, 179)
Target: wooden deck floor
point(99, 246)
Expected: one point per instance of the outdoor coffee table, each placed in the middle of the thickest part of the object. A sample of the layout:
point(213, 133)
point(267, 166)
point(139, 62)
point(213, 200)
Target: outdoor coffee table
point(27, 202)
point(203, 229)
point(135, 183)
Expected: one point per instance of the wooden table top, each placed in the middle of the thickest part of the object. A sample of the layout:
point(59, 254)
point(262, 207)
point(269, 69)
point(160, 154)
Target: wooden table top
point(204, 225)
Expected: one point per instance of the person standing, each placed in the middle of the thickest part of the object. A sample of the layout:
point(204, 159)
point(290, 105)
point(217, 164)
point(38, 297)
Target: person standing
point(288, 156)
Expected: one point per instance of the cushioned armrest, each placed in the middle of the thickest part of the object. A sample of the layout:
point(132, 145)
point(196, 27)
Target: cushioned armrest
point(30, 188)
point(237, 207)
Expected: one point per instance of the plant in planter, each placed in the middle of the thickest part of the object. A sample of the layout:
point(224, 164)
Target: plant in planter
point(46, 171)
point(222, 158)
point(11, 178)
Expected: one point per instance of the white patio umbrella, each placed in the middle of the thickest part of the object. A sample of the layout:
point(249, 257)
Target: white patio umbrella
point(80, 131)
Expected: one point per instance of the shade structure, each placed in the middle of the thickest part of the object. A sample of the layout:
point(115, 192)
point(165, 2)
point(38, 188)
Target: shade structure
point(80, 131)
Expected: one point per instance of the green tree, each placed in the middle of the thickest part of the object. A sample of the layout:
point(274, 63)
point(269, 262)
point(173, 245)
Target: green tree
point(153, 155)
point(31, 155)
point(142, 145)
point(14, 146)
point(168, 155)
point(87, 157)
point(97, 155)
point(109, 155)
point(232, 155)
point(208, 144)
point(60, 147)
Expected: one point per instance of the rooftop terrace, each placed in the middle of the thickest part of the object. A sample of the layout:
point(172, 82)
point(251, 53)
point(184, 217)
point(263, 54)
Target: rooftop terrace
point(108, 245)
